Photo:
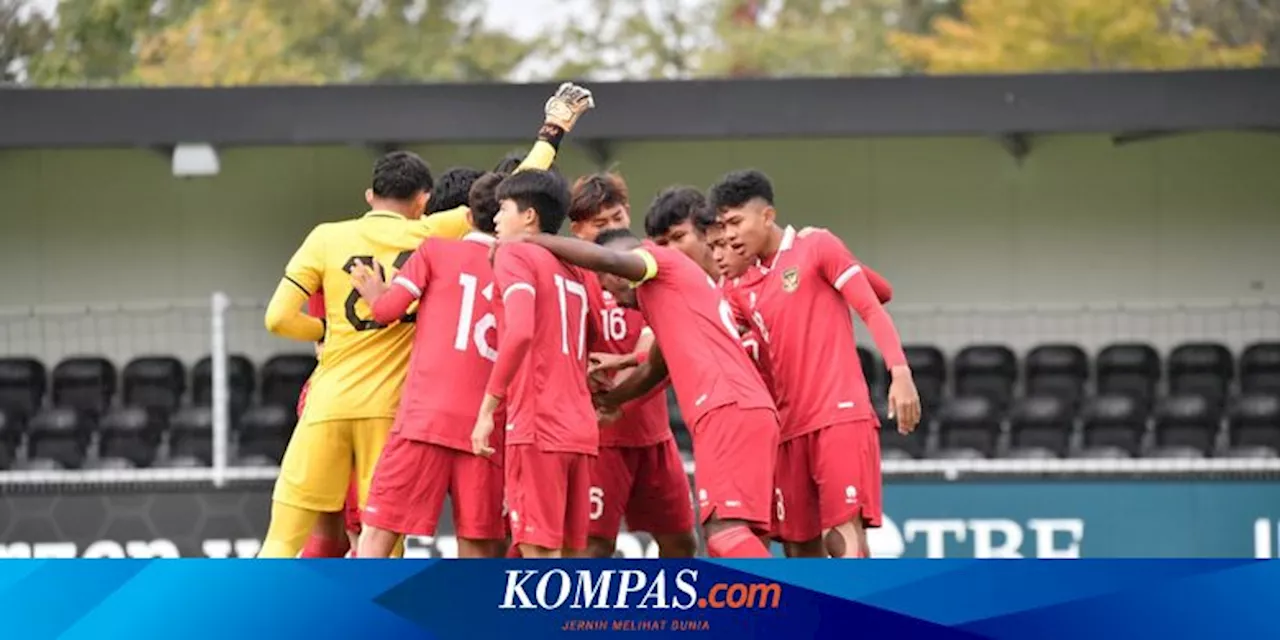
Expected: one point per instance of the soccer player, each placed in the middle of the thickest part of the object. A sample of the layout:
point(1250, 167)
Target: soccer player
point(734, 422)
point(639, 472)
point(428, 454)
point(551, 438)
point(828, 483)
point(356, 386)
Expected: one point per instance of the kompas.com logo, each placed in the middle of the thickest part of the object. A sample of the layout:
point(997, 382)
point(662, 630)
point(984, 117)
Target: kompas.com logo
point(621, 589)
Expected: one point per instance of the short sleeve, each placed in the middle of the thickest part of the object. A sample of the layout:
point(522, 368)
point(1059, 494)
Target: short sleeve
point(306, 267)
point(513, 271)
point(416, 272)
point(315, 305)
point(834, 260)
point(650, 265)
point(451, 224)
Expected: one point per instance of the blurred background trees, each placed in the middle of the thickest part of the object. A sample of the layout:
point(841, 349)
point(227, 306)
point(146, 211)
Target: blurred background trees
point(231, 42)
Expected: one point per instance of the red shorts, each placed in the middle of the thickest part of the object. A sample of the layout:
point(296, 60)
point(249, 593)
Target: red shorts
point(351, 510)
point(646, 484)
point(826, 478)
point(734, 451)
point(410, 483)
point(547, 496)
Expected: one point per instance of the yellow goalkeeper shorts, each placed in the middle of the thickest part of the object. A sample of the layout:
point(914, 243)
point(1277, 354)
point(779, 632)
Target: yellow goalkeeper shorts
point(318, 462)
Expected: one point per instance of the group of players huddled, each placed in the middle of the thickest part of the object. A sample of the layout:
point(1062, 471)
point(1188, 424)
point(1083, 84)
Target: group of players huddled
point(466, 349)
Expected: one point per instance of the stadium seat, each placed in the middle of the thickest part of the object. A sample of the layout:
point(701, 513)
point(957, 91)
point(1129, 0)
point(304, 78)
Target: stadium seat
point(283, 377)
point(1186, 421)
point(969, 422)
point(1031, 453)
point(10, 437)
point(987, 370)
point(1254, 421)
point(1113, 421)
point(86, 384)
point(256, 461)
point(241, 382)
point(1129, 369)
point(23, 382)
point(155, 384)
point(1041, 422)
point(59, 434)
point(111, 464)
point(929, 368)
point(1058, 370)
point(182, 462)
point(1260, 368)
point(893, 453)
point(959, 454)
point(1251, 452)
point(131, 433)
point(872, 370)
point(1176, 452)
point(265, 431)
point(1202, 368)
point(191, 434)
point(1104, 453)
point(894, 445)
point(39, 464)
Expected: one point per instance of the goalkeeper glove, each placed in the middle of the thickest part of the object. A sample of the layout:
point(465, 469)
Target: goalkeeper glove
point(567, 105)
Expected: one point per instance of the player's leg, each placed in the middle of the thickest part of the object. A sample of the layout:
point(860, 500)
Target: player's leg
point(847, 472)
point(536, 483)
point(312, 481)
point(328, 538)
point(660, 500)
point(477, 506)
point(406, 495)
point(796, 500)
point(351, 512)
point(612, 481)
point(734, 454)
point(369, 437)
point(577, 506)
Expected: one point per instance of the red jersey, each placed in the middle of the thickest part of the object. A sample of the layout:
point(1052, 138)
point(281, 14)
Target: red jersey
point(452, 282)
point(541, 367)
point(816, 372)
point(695, 328)
point(738, 292)
point(645, 421)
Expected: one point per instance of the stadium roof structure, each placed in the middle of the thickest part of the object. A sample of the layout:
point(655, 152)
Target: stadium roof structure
point(1129, 106)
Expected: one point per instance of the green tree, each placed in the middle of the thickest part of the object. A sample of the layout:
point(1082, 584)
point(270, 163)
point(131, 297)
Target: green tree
point(93, 41)
point(626, 39)
point(23, 35)
point(1239, 23)
point(1061, 35)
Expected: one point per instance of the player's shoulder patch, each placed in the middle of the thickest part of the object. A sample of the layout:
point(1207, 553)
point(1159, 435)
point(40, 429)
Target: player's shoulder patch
point(791, 279)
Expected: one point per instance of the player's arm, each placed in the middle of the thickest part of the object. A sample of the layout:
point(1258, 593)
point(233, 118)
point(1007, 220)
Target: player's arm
point(636, 265)
point(884, 291)
point(389, 302)
point(302, 278)
point(561, 112)
point(650, 373)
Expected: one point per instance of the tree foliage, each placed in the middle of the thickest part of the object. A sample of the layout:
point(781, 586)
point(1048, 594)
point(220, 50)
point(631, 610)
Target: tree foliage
point(1060, 35)
point(23, 34)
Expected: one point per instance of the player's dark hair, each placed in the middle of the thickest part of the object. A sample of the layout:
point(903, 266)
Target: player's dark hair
point(613, 235)
point(595, 193)
point(400, 175)
point(672, 207)
point(483, 200)
point(452, 189)
point(510, 162)
point(543, 191)
point(739, 188)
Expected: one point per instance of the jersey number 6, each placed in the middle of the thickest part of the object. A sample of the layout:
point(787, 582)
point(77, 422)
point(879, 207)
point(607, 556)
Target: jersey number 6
point(368, 324)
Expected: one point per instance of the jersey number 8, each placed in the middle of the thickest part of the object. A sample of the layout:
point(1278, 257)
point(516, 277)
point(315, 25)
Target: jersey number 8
point(368, 324)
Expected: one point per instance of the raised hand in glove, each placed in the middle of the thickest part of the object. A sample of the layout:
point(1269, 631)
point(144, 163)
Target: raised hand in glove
point(567, 105)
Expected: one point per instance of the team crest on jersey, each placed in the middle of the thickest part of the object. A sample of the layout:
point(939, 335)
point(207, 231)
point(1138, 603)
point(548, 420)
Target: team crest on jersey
point(791, 280)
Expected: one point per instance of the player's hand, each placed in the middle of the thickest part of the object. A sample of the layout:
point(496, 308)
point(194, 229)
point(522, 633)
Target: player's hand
point(809, 230)
point(480, 435)
point(608, 414)
point(567, 105)
point(367, 281)
point(904, 401)
point(599, 382)
point(609, 363)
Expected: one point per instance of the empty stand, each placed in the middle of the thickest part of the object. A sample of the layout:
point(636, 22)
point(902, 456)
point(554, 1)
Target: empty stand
point(111, 464)
point(894, 445)
point(242, 380)
point(131, 433)
point(23, 383)
point(929, 369)
point(1113, 422)
point(1043, 423)
point(39, 464)
point(283, 377)
point(265, 431)
point(256, 460)
point(872, 371)
point(59, 433)
point(1129, 369)
point(154, 383)
point(1254, 422)
point(1201, 368)
point(968, 422)
point(86, 384)
point(1260, 368)
point(1059, 370)
point(10, 438)
point(182, 462)
point(191, 434)
point(1186, 421)
point(989, 371)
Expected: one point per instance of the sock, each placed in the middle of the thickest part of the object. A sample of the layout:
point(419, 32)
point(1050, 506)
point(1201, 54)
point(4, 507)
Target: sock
point(320, 547)
point(736, 542)
point(290, 527)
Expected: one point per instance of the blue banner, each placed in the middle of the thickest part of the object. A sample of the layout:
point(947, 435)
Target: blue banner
point(276, 600)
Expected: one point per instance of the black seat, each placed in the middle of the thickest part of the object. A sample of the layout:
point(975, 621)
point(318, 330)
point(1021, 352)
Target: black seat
point(1260, 368)
point(1042, 422)
point(969, 422)
point(988, 370)
point(111, 464)
point(283, 377)
point(929, 369)
point(1251, 452)
point(86, 384)
point(39, 464)
point(256, 460)
point(10, 436)
point(191, 434)
point(1103, 453)
point(59, 433)
point(872, 370)
point(23, 383)
point(1058, 370)
point(1186, 421)
point(894, 445)
point(182, 462)
point(131, 433)
point(1113, 421)
point(1202, 368)
point(1254, 421)
point(1129, 369)
point(155, 383)
point(241, 382)
point(1031, 453)
point(265, 431)
point(1176, 451)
